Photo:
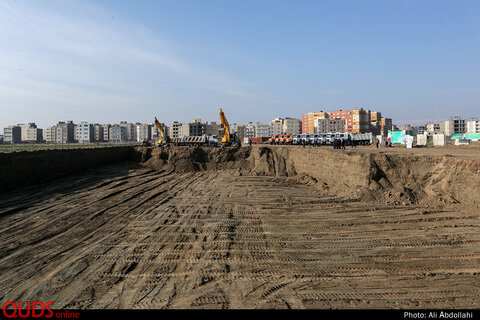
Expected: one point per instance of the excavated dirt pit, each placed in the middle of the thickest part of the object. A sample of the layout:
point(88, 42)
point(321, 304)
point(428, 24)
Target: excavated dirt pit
point(267, 227)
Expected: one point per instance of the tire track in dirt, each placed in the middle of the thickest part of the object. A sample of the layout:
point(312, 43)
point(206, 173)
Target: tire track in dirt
point(215, 239)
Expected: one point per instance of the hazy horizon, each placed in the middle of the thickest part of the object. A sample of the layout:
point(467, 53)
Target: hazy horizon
point(109, 61)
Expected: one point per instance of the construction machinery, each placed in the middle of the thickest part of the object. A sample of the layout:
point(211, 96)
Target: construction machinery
point(281, 139)
point(196, 141)
point(164, 139)
point(228, 139)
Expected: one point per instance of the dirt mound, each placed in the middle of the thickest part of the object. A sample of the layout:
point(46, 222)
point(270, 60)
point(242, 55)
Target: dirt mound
point(393, 179)
point(184, 159)
point(415, 179)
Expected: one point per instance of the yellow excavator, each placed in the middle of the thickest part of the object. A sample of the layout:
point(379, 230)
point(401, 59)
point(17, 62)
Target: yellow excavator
point(163, 138)
point(229, 138)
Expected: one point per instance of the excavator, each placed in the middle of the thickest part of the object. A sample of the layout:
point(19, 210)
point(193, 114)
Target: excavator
point(163, 138)
point(229, 138)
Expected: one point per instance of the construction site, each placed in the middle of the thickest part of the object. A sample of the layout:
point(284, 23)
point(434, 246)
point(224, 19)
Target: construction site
point(251, 227)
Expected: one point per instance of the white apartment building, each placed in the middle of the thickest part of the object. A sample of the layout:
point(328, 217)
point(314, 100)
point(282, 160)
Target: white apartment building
point(473, 125)
point(85, 133)
point(263, 130)
point(49, 134)
point(144, 132)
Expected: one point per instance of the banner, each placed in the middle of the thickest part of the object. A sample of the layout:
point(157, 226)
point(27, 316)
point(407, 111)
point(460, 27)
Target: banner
point(409, 141)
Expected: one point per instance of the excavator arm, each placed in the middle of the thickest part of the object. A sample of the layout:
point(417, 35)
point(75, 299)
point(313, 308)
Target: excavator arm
point(224, 123)
point(158, 127)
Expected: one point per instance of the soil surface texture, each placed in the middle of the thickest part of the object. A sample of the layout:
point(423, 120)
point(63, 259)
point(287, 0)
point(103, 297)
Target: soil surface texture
point(250, 228)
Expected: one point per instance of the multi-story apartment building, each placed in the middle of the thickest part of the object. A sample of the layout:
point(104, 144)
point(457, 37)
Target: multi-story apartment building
point(286, 126)
point(65, 132)
point(420, 129)
point(346, 115)
point(454, 125)
point(328, 125)
point(49, 134)
point(212, 128)
point(375, 117)
point(263, 130)
point(197, 128)
point(106, 132)
point(360, 120)
point(292, 126)
point(131, 130)
point(277, 126)
point(309, 118)
point(185, 130)
point(30, 133)
point(12, 134)
point(144, 132)
point(385, 125)
point(98, 134)
point(238, 129)
point(433, 128)
point(75, 133)
point(375, 122)
point(357, 120)
point(118, 133)
point(153, 131)
point(85, 132)
point(176, 130)
point(250, 130)
point(473, 125)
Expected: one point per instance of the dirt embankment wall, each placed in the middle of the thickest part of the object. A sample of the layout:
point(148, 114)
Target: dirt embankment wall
point(393, 177)
point(19, 169)
point(372, 176)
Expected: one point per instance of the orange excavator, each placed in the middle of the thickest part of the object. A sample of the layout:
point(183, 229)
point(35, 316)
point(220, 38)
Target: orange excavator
point(229, 138)
point(163, 138)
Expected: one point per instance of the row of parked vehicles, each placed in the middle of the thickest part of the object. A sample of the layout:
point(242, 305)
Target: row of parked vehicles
point(322, 138)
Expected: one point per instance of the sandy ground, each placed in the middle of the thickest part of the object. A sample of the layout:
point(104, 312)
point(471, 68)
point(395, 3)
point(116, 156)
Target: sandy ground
point(126, 236)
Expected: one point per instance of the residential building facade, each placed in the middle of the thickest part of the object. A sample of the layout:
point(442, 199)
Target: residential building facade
point(286, 126)
point(144, 132)
point(473, 125)
point(454, 125)
point(308, 119)
point(328, 125)
point(65, 132)
point(85, 132)
point(12, 134)
point(346, 115)
point(263, 130)
point(118, 133)
point(176, 130)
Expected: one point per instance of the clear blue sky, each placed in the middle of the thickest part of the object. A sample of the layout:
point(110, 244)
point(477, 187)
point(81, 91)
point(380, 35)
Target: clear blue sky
point(109, 60)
